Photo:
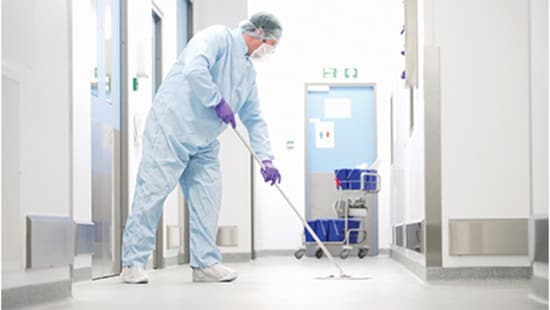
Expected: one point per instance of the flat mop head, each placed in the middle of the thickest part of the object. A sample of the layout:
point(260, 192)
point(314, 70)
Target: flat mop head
point(344, 277)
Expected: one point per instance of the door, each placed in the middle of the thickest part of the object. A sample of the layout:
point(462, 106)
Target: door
point(106, 142)
point(340, 133)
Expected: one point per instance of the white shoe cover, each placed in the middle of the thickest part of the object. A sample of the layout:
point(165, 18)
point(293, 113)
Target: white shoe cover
point(134, 275)
point(216, 273)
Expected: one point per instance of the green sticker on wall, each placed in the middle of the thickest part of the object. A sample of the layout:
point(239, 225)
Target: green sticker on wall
point(135, 84)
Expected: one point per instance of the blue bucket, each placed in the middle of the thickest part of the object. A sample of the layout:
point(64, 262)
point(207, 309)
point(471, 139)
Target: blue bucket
point(319, 228)
point(336, 229)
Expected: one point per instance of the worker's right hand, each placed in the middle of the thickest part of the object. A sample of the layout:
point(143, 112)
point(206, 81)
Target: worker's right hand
point(223, 111)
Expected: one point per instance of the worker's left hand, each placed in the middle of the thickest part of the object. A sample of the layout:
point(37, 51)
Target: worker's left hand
point(270, 173)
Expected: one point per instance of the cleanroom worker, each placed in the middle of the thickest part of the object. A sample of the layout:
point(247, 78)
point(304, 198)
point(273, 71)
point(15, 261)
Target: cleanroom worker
point(212, 80)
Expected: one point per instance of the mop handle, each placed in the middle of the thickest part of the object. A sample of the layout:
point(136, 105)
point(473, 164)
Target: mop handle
point(306, 225)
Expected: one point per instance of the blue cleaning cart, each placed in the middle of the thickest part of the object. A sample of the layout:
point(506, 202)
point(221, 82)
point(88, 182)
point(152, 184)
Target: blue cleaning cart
point(354, 186)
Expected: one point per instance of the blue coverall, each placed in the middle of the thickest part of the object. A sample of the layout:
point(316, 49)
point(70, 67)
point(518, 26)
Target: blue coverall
point(180, 142)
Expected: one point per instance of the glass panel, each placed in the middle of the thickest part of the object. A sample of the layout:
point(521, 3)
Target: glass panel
point(108, 35)
point(94, 48)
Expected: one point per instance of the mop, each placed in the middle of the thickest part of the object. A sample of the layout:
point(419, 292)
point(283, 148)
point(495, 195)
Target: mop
point(341, 274)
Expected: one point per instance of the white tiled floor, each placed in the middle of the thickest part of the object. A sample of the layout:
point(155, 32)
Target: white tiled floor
point(287, 283)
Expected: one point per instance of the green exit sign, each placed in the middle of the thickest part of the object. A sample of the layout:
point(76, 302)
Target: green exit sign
point(335, 73)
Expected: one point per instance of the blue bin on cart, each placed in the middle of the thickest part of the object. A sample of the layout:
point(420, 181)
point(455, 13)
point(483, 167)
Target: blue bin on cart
point(343, 176)
point(369, 181)
point(319, 228)
point(372, 184)
point(355, 178)
point(336, 229)
point(351, 179)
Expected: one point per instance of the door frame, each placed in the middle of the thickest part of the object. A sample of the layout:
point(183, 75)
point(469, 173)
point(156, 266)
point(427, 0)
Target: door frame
point(124, 126)
point(307, 211)
point(184, 34)
point(157, 16)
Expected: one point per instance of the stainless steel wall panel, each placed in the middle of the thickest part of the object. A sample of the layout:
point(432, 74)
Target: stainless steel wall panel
point(50, 241)
point(399, 235)
point(432, 136)
point(228, 236)
point(105, 200)
point(115, 265)
point(414, 236)
point(85, 236)
point(488, 237)
point(541, 240)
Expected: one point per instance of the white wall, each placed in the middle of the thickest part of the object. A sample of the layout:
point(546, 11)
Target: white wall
point(81, 112)
point(234, 158)
point(318, 34)
point(539, 105)
point(415, 145)
point(82, 54)
point(484, 115)
point(212, 12)
point(539, 120)
point(36, 61)
point(407, 171)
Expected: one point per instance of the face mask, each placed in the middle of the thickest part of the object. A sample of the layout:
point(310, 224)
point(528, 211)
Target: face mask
point(263, 52)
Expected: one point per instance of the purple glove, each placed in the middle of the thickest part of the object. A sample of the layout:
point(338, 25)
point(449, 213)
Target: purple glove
point(270, 173)
point(223, 111)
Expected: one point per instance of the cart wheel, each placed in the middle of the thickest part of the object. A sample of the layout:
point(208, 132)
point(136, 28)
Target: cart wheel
point(300, 253)
point(362, 253)
point(344, 254)
point(319, 253)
